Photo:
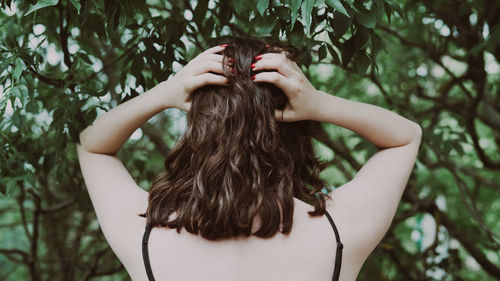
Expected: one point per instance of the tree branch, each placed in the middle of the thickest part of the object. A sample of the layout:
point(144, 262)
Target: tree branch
point(462, 237)
point(337, 146)
point(20, 200)
point(51, 81)
point(32, 263)
point(113, 62)
point(155, 137)
point(63, 35)
point(487, 162)
point(58, 207)
point(433, 55)
point(10, 252)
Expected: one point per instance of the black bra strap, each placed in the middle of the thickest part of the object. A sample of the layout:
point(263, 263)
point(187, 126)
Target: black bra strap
point(145, 254)
point(340, 246)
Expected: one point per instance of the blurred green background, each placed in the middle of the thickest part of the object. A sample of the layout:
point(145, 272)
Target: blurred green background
point(65, 62)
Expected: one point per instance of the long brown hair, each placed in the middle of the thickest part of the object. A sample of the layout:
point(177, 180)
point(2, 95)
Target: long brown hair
point(235, 160)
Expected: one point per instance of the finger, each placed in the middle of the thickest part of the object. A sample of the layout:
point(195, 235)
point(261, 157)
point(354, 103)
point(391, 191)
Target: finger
point(276, 61)
point(211, 51)
point(214, 49)
point(278, 115)
point(290, 62)
point(271, 77)
point(206, 66)
point(273, 55)
point(276, 64)
point(215, 57)
point(205, 57)
point(209, 79)
point(284, 115)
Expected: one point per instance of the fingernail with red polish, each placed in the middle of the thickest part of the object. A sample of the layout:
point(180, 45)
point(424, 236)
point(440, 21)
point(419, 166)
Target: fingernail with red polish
point(253, 77)
point(223, 45)
point(258, 57)
point(253, 65)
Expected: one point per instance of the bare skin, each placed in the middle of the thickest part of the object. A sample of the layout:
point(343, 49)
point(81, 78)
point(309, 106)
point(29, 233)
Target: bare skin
point(362, 209)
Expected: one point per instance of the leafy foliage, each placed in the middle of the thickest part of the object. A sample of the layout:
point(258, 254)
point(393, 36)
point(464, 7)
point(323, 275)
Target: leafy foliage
point(64, 62)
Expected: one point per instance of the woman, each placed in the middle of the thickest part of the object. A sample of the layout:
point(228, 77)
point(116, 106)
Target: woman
point(243, 180)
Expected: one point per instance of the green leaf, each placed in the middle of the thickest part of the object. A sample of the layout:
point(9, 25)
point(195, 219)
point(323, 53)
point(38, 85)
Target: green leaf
point(32, 107)
point(458, 147)
point(85, 58)
point(296, 36)
point(347, 51)
point(351, 3)
point(41, 4)
point(99, 93)
point(366, 146)
point(282, 12)
point(306, 10)
point(18, 69)
point(377, 44)
point(264, 25)
point(361, 62)
point(321, 53)
point(77, 5)
point(3, 187)
point(3, 102)
point(340, 23)
point(335, 55)
point(90, 115)
point(388, 11)
point(12, 189)
point(242, 7)
point(493, 39)
point(21, 92)
point(23, 89)
point(361, 38)
point(447, 147)
point(139, 164)
point(396, 8)
point(262, 6)
point(461, 137)
point(200, 11)
point(110, 10)
point(337, 5)
point(116, 19)
point(15, 91)
point(368, 19)
point(4, 63)
point(295, 4)
point(225, 13)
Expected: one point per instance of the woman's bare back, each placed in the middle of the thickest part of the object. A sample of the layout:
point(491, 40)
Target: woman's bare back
point(308, 253)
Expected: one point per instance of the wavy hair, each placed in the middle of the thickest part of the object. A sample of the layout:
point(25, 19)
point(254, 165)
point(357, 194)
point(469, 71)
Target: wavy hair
point(235, 160)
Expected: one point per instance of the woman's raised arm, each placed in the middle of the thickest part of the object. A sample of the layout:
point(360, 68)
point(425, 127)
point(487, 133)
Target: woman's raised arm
point(378, 125)
point(110, 131)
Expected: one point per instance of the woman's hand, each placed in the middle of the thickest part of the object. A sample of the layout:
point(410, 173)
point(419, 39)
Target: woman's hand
point(302, 96)
point(194, 75)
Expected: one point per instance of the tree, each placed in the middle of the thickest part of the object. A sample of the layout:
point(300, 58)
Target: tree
point(65, 62)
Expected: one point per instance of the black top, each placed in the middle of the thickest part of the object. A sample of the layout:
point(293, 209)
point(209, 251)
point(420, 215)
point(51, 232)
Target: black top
point(338, 257)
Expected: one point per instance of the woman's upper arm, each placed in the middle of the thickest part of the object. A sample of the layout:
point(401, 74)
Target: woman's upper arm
point(369, 201)
point(116, 198)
